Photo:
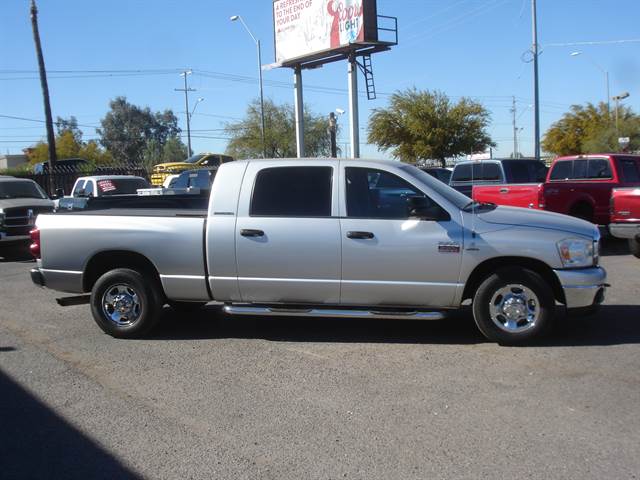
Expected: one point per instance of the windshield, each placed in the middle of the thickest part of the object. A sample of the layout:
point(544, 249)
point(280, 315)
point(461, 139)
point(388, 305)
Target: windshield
point(455, 197)
point(194, 159)
point(19, 189)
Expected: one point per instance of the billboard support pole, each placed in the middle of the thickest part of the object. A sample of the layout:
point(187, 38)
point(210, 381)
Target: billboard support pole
point(299, 108)
point(354, 123)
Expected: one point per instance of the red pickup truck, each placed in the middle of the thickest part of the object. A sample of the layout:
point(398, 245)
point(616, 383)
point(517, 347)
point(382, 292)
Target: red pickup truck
point(625, 217)
point(579, 186)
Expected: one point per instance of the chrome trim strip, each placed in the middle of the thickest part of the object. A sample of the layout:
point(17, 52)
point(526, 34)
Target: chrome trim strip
point(331, 313)
point(351, 282)
point(183, 277)
point(71, 272)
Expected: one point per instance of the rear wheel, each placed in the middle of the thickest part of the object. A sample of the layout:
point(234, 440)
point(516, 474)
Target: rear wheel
point(634, 246)
point(126, 303)
point(514, 306)
point(582, 211)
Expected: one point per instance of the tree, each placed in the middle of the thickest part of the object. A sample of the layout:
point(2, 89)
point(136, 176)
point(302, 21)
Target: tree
point(127, 130)
point(592, 129)
point(280, 133)
point(423, 125)
point(172, 151)
point(69, 125)
point(69, 144)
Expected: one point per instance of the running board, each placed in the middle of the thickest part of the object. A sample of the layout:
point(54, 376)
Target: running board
point(331, 313)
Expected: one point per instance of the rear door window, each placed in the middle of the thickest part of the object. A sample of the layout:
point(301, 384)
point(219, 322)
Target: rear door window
point(462, 173)
point(562, 170)
point(491, 172)
point(518, 172)
point(297, 192)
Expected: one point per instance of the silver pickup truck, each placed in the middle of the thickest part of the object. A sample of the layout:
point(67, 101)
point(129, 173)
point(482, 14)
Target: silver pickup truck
point(325, 238)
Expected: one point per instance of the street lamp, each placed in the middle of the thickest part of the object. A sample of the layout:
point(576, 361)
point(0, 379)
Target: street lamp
point(186, 91)
point(617, 99)
point(200, 100)
point(606, 76)
point(235, 18)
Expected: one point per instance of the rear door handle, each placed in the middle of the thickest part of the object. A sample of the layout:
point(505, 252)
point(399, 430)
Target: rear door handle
point(360, 235)
point(504, 190)
point(251, 233)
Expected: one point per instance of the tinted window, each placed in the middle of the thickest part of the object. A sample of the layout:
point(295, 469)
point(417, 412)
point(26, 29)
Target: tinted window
point(379, 194)
point(518, 172)
point(630, 170)
point(292, 192)
point(21, 189)
point(182, 181)
point(79, 186)
point(599, 168)
point(121, 186)
point(88, 189)
point(461, 173)
point(490, 172)
point(538, 171)
point(579, 169)
point(562, 170)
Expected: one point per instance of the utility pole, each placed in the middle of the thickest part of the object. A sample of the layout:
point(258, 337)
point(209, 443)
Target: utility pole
point(514, 111)
point(333, 129)
point(51, 139)
point(186, 91)
point(536, 80)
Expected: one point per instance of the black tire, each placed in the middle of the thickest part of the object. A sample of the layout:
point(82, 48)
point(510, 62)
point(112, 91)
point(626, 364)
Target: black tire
point(186, 306)
point(522, 331)
point(634, 246)
point(148, 301)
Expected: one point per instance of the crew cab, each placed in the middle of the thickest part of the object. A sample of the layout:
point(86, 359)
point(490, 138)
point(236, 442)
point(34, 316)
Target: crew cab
point(21, 200)
point(579, 186)
point(466, 175)
point(325, 238)
point(100, 186)
point(625, 216)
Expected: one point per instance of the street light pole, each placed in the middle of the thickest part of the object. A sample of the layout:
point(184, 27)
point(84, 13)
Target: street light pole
point(186, 91)
point(606, 77)
point(259, 48)
point(617, 99)
point(536, 80)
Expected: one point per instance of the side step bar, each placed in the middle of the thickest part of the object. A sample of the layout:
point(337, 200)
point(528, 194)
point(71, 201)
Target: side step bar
point(331, 313)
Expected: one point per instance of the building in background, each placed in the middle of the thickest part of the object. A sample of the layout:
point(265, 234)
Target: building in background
point(12, 161)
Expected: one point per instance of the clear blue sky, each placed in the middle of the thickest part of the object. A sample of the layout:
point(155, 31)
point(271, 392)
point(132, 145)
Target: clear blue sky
point(462, 47)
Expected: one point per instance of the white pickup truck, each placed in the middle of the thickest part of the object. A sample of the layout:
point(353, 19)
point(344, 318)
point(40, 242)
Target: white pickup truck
point(325, 238)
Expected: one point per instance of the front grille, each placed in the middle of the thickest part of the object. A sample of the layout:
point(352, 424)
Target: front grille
point(20, 221)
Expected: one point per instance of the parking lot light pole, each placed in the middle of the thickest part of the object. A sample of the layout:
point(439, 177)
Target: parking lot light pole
point(606, 76)
point(186, 91)
point(617, 99)
point(235, 18)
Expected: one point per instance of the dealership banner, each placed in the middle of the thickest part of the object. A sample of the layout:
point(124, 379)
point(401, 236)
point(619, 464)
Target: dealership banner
point(308, 28)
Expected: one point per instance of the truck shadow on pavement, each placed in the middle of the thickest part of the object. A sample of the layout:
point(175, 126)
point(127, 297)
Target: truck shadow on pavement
point(37, 443)
point(614, 247)
point(613, 325)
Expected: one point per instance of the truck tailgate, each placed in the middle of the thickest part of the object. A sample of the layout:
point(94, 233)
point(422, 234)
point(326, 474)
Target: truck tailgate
point(525, 195)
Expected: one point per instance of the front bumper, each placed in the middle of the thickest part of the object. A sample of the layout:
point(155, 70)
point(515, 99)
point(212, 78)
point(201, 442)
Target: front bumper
point(625, 230)
point(585, 287)
point(11, 239)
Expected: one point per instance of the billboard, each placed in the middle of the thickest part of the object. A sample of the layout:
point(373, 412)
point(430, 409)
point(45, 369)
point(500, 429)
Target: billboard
point(311, 29)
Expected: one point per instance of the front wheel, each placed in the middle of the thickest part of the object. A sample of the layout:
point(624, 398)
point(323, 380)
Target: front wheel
point(125, 303)
point(514, 306)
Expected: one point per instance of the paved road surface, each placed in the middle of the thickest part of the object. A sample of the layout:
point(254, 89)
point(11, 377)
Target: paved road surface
point(212, 397)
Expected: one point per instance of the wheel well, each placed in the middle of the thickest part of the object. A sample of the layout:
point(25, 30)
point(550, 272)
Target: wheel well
point(104, 262)
point(581, 206)
point(486, 268)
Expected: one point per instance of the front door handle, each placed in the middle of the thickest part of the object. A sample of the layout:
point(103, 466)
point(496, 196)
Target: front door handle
point(360, 235)
point(251, 233)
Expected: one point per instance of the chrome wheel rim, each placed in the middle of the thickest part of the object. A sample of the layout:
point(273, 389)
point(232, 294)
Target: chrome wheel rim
point(121, 305)
point(514, 308)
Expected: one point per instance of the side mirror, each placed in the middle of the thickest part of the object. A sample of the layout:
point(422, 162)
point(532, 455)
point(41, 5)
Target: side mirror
point(421, 208)
point(59, 193)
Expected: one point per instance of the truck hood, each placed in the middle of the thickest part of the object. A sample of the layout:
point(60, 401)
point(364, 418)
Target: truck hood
point(525, 217)
point(25, 203)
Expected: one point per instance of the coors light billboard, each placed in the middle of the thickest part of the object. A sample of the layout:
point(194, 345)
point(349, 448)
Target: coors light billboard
point(307, 29)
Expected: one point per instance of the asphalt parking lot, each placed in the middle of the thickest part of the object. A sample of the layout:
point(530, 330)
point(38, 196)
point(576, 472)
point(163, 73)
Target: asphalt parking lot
point(214, 397)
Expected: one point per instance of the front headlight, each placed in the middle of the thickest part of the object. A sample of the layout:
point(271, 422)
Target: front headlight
point(576, 253)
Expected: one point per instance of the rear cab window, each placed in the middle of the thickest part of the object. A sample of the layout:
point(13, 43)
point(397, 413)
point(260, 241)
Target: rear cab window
point(630, 169)
point(296, 192)
point(562, 170)
point(477, 172)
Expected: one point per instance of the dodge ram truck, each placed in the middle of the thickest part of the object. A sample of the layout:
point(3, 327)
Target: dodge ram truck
point(325, 238)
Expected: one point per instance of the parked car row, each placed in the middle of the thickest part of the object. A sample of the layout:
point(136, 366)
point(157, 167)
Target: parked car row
point(625, 216)
point(579, 186)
